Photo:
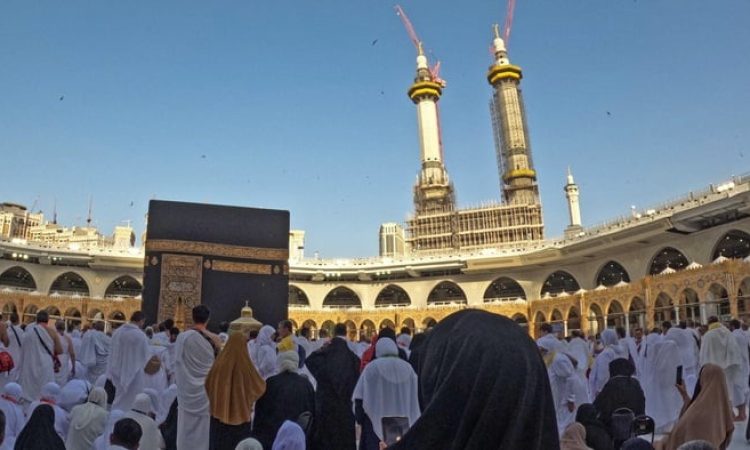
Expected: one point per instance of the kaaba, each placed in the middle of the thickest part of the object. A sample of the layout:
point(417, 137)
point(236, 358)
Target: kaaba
point(221, 256)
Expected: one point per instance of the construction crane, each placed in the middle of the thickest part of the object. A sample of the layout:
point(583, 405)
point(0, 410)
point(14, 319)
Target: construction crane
point(508, 21)
point(434, 70)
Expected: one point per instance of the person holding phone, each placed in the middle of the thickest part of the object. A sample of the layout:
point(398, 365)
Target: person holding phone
point(387, 389)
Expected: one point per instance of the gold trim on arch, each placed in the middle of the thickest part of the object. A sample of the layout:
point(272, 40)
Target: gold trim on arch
point(217, 250)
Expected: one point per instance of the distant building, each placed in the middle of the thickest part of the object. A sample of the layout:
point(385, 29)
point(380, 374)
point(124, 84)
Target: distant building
point(296, 245)
point(16, 221)
point(392, 240)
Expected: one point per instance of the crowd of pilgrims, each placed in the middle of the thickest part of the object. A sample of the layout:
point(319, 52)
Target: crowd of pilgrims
point(474, 381)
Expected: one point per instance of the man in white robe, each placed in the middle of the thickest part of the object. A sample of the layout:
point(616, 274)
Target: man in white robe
point(94, 353)
point(744, 344)
point(162, 337)
point(151, 437)
point(719, 347)
point(549, 340)
point(128, 357)
point(689, 352)
point(578, 349)
point(156, 375)
point(194, 355)
point(39, 343)
point(15, 335)
point(600, 370)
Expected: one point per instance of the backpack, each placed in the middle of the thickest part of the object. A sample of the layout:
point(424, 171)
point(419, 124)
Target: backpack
point(6, 361)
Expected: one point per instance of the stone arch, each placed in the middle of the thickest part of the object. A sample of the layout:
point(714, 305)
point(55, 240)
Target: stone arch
point(29, 313)
point(392, 295)
point(328, 326)
point(342, 297)
point(610, 274)
point(504, 289)
point(539, 319)
point(663, 309)
point(309, 323)
point(574, 319)
point(70, 283)
point(429, 322)
point(667, 257)
point(596, 318)
point(351, 330)
point(294, 324)
point(556, 316)
point(95, 315)
point(297, 297)
point(367, 329)
point(637, 313)
point(734, 244)
point(409, 323)
point(521, 320)
point(54, 313)
point(123, 287)
point(690, 308)
point(615, 315)
point(9, 308)
point(717, 301)
point(446, 292)
point(18, 278)
point(743, 297)
point(559, 282)
point(116, 318)
point(72, 318)
point(387, 323)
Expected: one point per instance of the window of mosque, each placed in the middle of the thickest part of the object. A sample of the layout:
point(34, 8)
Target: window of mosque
point(735, 244)
point(70, 283)
point(611, 274)
point(125, 286)
point(342, 297)
point(18, 278)
point(297, 297)
point(446, 292)
point(392, 296)
point(504, 289)
point(668, 257)
point(559, 282)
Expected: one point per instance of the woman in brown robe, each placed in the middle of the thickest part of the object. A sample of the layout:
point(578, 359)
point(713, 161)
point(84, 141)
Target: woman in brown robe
point(708, 415)
point(233, 385)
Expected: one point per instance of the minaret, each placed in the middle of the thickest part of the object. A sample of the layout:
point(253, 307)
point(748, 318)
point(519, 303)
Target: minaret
point(574, 207)
point(433, 191)
point(511, 134)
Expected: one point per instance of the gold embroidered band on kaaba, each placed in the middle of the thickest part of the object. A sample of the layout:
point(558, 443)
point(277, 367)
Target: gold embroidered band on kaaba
point(217, 250)
point(238, 267)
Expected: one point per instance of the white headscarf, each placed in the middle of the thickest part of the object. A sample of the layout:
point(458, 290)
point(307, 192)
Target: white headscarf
point(142, 408)
point(96, 404)
point(388, 387)
point(290, 437)
point(13, 391)
point(249, 444)
point(73, 393)
point(263, 352)
point(50, 392)
point(287, 361)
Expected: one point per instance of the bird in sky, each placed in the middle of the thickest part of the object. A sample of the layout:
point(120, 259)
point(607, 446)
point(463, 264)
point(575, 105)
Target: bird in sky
point(374, 42)
point(62, 97)
point(609, 113)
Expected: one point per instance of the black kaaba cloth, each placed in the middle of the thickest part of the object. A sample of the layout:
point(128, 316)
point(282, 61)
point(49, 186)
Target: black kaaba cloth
point(219, 256)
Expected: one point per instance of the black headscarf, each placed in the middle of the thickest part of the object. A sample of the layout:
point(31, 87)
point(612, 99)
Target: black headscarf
point(484, 386)
point(39, 432)
point(621, 391)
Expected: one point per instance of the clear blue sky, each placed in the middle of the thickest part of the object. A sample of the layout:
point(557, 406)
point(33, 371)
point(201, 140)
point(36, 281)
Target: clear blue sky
point(294, 108)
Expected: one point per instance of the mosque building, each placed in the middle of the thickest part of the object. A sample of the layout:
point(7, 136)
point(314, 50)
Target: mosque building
point(683, 260)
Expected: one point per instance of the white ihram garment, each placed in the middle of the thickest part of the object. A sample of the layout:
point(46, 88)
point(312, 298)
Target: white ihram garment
point(579, 350)
point(263, 352)
point(663, 400)
point(15, 335)
point(194, 357)
point(719, 347)
point(128, 356)
point(600, 370)
point(689, 352)
point(36, 364)
point(567, 387)
point(94, 353)
point(9, 405)
point(744, 344)
point(388, 387)
point(158, 380)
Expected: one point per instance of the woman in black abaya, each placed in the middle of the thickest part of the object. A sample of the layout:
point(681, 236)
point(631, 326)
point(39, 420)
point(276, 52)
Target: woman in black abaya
point(484, 386)
point(39, 431)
